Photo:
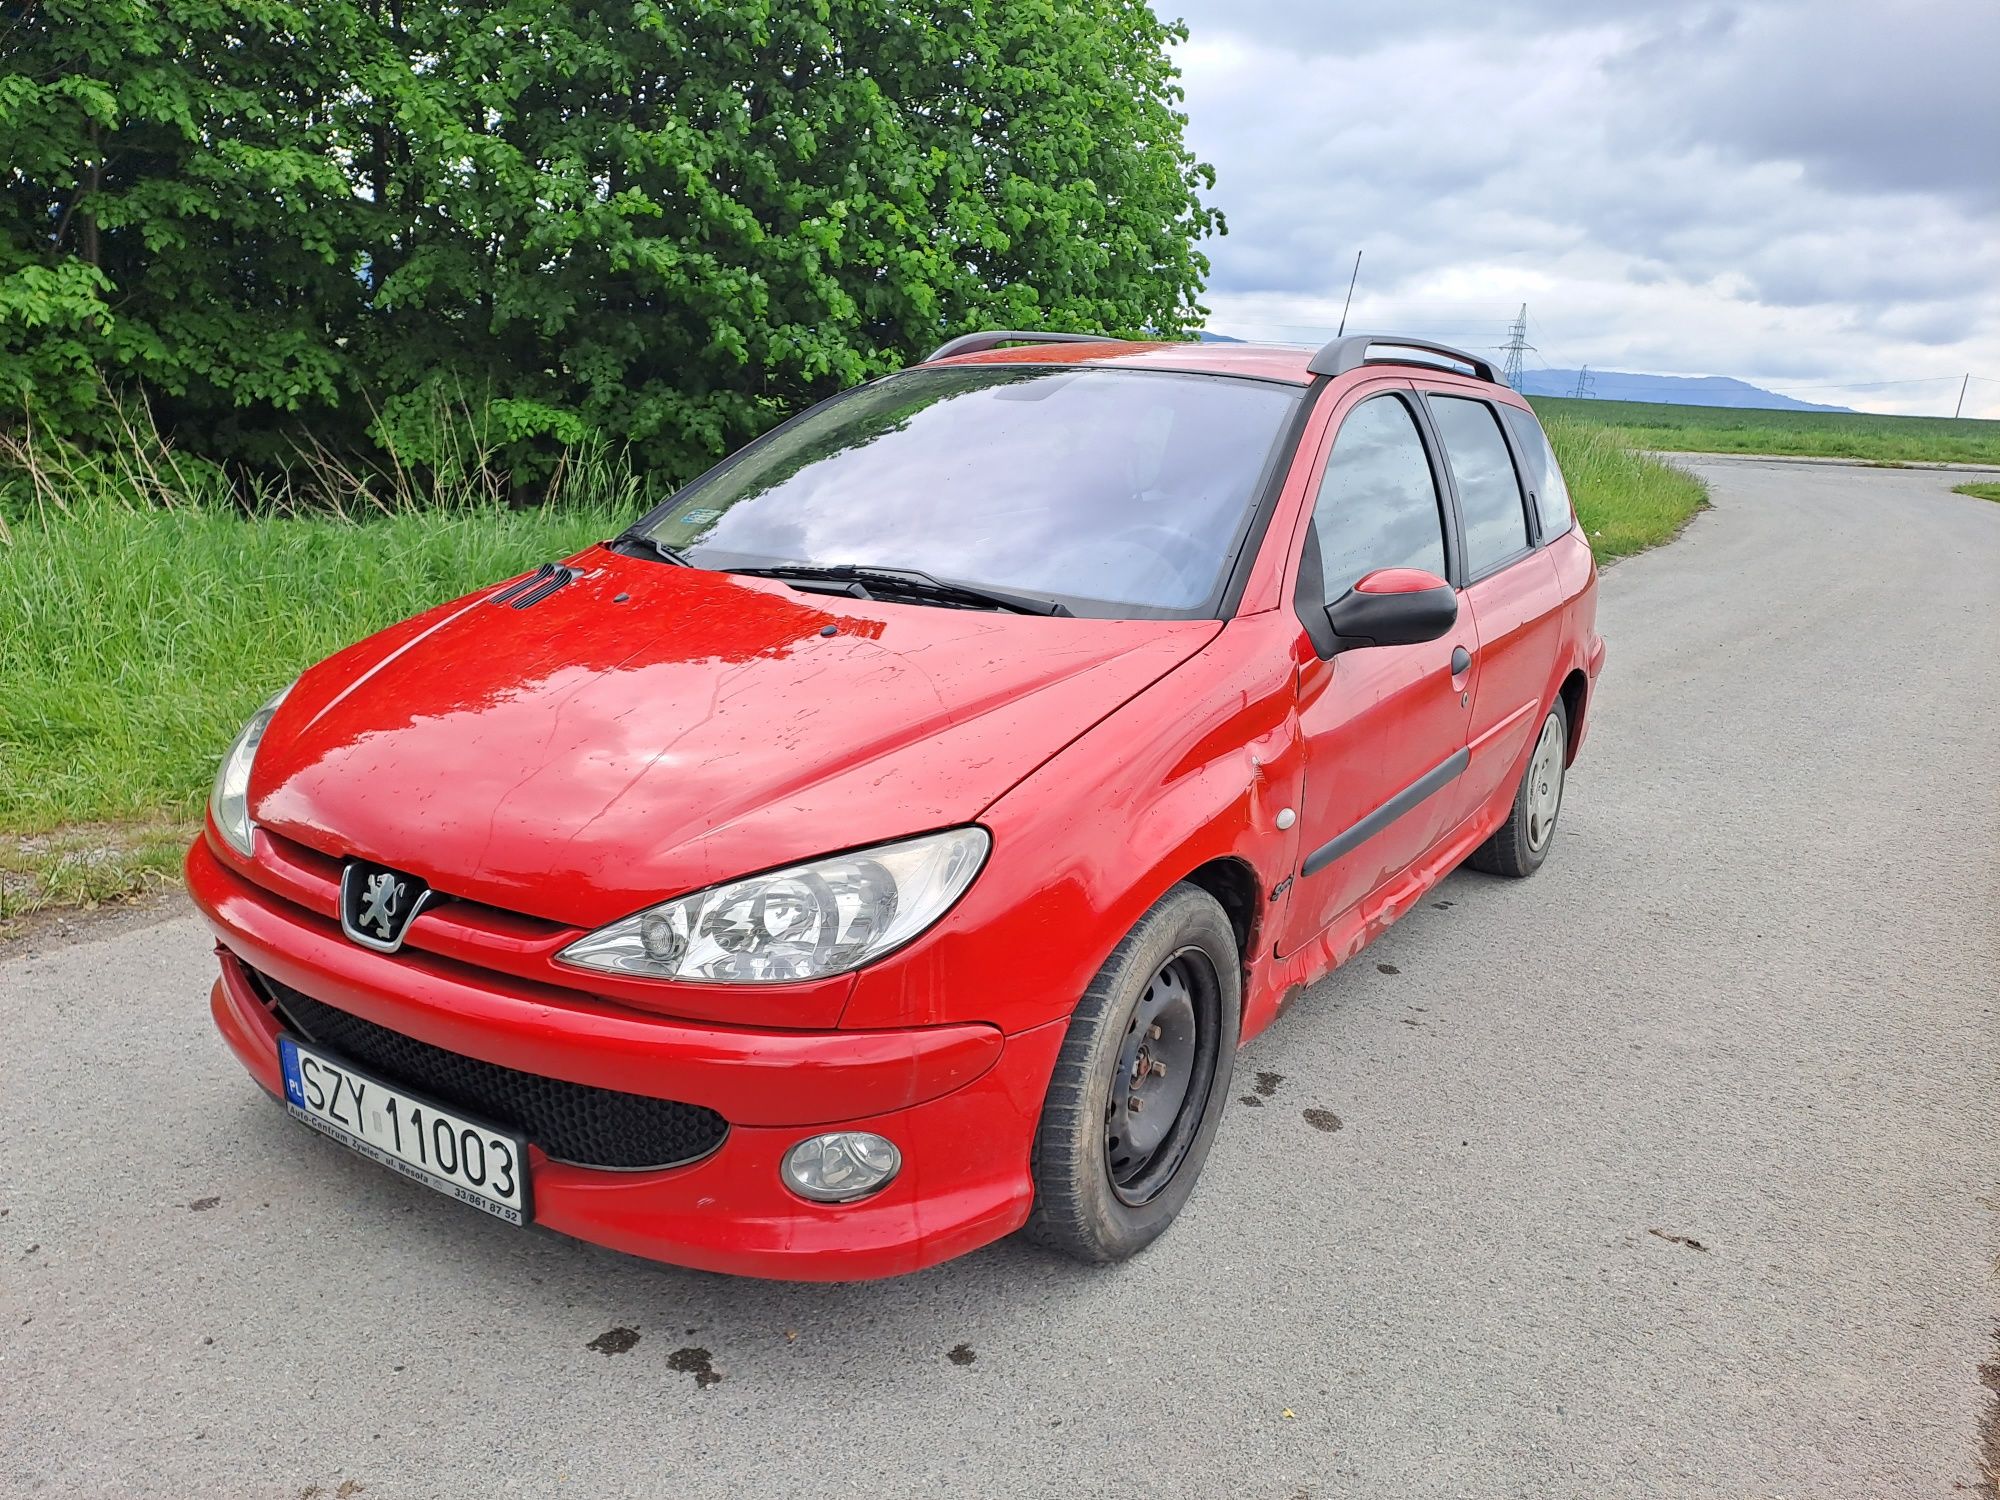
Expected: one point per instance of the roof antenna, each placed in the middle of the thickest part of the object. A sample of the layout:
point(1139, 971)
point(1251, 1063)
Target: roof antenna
point(1350, 295)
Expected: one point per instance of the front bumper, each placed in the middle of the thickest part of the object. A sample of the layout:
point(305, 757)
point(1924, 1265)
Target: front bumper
point(960, 1102)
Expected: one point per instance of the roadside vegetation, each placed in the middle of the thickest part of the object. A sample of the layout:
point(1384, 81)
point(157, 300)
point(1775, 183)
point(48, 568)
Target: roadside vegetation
point(1810, 434)
point(1627, 500)
point(1978, 491)
point(147, 615)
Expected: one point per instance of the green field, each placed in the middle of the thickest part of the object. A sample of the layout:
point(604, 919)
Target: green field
point(1719, 429)
point(1978, 491)
point(147, 617)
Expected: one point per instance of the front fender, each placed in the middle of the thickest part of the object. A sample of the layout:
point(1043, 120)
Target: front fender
point(1194, 769)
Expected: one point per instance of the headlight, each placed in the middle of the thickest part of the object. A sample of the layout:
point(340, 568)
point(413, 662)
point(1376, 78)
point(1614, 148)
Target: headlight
point(805, 922)
point(229, 803)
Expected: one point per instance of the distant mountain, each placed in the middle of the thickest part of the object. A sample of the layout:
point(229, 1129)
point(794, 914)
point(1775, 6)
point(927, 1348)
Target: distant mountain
point(1216, 338)
point(1672, 390)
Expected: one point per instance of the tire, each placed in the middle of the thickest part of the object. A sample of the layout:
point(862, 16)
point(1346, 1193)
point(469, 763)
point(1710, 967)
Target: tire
point(1097, 1202)
point(1520, 844)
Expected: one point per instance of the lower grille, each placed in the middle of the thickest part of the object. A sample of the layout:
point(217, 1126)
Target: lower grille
point(572, 1122)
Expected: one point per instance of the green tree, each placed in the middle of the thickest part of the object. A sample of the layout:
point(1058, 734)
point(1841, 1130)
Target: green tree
point(171, 209)
point(667, 223)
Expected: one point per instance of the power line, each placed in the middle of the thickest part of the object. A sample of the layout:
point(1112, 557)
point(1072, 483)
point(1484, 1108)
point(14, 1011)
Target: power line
point(1862, 385)
point(1462, 330)
point(1672, 382)
point(1543, 334)
point(1584, 385)
point(1679, 382)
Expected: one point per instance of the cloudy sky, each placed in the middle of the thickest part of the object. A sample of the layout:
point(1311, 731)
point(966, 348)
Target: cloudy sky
point(1800, 193)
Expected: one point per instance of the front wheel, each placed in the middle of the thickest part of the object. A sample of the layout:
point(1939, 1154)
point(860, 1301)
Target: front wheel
point(1140, 1083)
point(1521, 843)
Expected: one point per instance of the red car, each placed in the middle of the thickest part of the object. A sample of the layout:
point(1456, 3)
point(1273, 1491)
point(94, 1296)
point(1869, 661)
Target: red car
point(886, 844)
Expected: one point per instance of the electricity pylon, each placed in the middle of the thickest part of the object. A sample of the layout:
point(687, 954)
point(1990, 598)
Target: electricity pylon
point(1517, 345)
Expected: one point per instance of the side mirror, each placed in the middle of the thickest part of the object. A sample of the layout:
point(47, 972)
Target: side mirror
point(1393, 607)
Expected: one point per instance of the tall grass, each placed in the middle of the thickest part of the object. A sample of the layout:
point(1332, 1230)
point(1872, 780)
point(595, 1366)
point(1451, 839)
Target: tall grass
point(144, 615)
point(1809, 434)
point(1626, 500)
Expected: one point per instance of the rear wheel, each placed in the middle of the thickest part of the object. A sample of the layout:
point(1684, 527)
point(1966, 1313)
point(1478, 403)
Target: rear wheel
point(1521, 843)
point(1140, 1083)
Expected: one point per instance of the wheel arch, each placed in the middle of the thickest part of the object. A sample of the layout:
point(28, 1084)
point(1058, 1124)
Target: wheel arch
point(1236, 888)
point(1574, 692)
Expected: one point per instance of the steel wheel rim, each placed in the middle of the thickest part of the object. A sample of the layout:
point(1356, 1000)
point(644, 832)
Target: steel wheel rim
point(1165, 1066)
point(1545, 784)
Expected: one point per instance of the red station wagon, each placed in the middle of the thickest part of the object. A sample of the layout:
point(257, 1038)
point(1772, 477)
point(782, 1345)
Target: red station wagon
point(886, 844)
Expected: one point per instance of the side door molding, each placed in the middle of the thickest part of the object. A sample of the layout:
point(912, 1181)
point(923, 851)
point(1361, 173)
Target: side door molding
point(1407, 800)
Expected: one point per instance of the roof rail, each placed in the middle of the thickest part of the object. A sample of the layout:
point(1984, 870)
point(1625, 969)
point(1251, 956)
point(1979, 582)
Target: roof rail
point(979, 343)
point(1351, 353)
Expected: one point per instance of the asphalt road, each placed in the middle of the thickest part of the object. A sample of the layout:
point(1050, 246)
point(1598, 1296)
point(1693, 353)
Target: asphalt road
point(1670, 1172)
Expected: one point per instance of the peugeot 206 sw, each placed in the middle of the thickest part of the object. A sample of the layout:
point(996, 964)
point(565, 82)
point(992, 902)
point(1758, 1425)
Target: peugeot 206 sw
point(886, 844)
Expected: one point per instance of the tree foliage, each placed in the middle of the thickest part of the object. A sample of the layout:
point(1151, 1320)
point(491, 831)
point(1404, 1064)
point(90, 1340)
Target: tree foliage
point(662, 222)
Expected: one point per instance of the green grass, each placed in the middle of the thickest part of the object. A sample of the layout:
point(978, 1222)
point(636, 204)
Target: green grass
point(86, 866)
point(1978, 491)
point(139, 642)
point(1811, 434)
point(146, 616)
point(1626, 500)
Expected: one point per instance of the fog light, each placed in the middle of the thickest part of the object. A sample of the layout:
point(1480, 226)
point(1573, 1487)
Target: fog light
point(840, 1166)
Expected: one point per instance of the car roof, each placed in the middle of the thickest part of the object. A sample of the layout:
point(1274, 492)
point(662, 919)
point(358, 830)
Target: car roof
point(1263, 361)
point(1290, 363)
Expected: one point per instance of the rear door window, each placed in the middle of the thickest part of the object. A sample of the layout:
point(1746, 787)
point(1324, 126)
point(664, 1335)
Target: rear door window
point(1546, 490)
point(1489, 492)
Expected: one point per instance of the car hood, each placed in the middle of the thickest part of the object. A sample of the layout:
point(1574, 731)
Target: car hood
point(647, 730)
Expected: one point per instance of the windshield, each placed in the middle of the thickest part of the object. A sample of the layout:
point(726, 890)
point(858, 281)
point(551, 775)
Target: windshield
point(1117, 493)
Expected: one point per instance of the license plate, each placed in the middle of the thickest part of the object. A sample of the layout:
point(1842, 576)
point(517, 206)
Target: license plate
point(474, 1163)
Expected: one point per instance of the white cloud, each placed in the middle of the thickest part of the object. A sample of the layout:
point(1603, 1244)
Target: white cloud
point(1795, 192)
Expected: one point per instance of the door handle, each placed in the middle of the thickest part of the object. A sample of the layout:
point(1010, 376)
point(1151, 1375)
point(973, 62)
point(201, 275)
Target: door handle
point(1461, 661)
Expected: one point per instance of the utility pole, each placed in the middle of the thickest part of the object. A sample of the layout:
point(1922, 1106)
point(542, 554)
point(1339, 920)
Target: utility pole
point(1961, 396)
point(1350, 294)
point(1584, 384)
point(1517, 345)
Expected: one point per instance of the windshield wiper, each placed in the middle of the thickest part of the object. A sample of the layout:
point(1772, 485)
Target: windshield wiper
point(911, 581)
point(657, 547)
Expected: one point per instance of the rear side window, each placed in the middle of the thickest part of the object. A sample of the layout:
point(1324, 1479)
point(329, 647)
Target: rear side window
point(1547, 491)
point(1489, 494)
point(1378, 504)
